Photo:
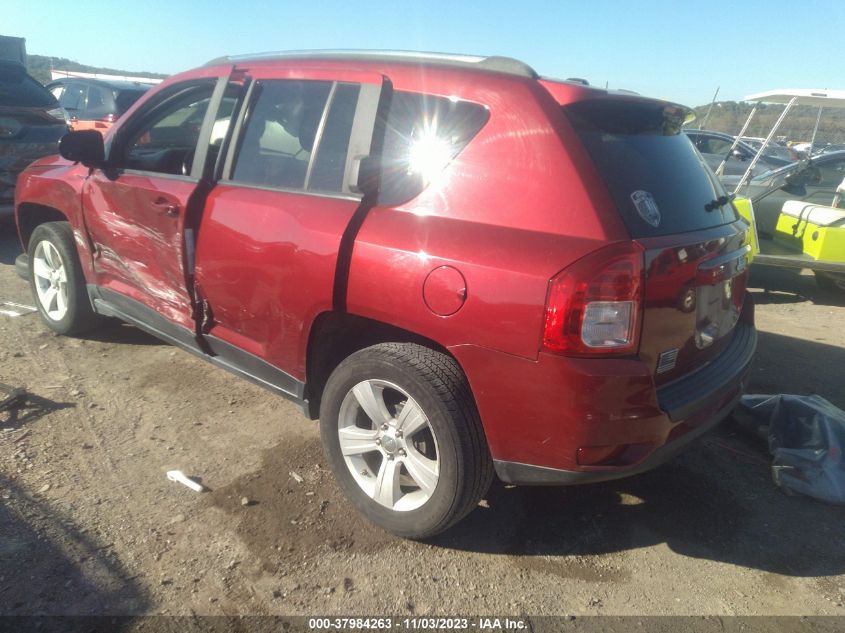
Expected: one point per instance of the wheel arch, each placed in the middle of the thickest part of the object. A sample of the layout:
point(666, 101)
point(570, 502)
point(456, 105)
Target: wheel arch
point(30, 215)
point(334, 336)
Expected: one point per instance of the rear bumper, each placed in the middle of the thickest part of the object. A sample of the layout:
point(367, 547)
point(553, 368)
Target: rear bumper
point(569, 404)
point(683, 398)
point(525, 474)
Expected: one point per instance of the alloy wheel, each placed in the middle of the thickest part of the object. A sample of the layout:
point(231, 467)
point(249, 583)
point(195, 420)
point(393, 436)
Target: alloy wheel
point(50, 280)
point(388, 444)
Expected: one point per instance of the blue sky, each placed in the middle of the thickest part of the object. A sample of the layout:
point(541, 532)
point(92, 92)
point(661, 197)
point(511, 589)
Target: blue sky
point(676, 50)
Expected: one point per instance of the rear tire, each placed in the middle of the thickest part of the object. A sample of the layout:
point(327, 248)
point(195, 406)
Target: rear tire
point(57, 281)
point(402, 435)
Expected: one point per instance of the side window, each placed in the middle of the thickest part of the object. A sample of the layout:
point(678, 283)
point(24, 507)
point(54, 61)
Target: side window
point(100, 103)
point(57, 91)
point(422, 135)
point(222, 121)
point(281, 130)
point(167, 140)
point(73, 99)
point(718, 146)
point(832, 174)
point(697, 142)
point(330, 162)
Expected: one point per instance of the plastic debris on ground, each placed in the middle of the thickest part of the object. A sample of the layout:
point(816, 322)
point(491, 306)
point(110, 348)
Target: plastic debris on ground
point(180, 477)
point(806, 436)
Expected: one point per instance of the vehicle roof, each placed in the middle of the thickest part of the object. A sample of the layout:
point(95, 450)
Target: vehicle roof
point(803, 96)
point(118, 84)
point(498, 64)
point(713, 132)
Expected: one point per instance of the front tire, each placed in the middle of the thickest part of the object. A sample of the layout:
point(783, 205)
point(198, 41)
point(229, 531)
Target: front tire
point(402, 435)
point(57, 281)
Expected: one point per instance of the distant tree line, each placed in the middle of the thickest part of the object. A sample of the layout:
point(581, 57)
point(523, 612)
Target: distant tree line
point(730, 116)
point(39, 67)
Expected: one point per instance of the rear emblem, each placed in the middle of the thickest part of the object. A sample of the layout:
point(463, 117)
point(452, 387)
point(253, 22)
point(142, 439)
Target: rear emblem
point(646, 206)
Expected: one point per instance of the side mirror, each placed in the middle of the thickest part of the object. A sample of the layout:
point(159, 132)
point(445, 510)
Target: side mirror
point(85, 146)
point(364, 175)
point(739, 154)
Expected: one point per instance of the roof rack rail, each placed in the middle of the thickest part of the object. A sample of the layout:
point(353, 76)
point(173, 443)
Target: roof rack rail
point(494, 63)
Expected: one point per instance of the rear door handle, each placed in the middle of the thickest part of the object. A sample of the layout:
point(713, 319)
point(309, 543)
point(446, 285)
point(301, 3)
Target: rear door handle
point(170, 209)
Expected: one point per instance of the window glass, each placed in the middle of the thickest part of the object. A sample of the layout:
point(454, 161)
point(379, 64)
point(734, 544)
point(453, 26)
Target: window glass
point(330, 161)
point(718, 146)
point(649, 166)
point(167, 143)
point(125, 98)
point(422, 135)
point(280, 133)
point(221, 122)
point(831, 174)
point(100, 102)
point(73, 99)
point(57, 91)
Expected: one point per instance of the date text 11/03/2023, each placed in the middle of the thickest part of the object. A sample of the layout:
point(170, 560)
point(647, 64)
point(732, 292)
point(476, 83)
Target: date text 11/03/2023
point(417, 624)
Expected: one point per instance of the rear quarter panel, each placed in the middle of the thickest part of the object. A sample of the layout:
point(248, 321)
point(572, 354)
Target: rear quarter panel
point(521, 202)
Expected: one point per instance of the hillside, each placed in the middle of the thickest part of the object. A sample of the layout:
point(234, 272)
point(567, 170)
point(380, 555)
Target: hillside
point(39, 67)
point(730, 116)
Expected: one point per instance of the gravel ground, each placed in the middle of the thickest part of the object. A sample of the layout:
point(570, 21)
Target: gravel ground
point(89, 524)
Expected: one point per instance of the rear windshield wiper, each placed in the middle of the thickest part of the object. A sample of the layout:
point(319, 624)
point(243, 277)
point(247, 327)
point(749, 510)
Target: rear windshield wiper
point(719, 202)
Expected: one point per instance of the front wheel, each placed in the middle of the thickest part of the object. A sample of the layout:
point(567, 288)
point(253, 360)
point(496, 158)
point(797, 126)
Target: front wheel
point(403, 438)
point(57, 281)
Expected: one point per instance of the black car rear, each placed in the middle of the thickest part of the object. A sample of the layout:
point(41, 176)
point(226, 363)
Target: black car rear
point(96, 100)
point(31, 124)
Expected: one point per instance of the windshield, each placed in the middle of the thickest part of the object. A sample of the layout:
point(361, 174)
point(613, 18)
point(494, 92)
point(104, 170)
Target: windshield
point(659, 182)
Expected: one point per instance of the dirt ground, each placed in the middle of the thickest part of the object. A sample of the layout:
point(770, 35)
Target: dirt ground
point(89, 524)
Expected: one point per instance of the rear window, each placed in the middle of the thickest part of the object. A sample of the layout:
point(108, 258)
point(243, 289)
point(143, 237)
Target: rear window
point(24, 91)
point(657, 179)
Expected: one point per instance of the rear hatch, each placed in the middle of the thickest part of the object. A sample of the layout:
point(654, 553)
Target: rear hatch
point(673, 206)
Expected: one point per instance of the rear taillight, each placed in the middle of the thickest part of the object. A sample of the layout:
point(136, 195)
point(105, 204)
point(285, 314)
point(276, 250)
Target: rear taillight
point(594, 306)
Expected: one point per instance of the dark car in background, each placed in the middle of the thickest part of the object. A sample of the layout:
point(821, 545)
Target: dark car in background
point(31, 124)
point(714, 146)
point(774, 149)
point(95, 104)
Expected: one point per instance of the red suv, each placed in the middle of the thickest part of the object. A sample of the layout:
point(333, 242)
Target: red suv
point(458, 266)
